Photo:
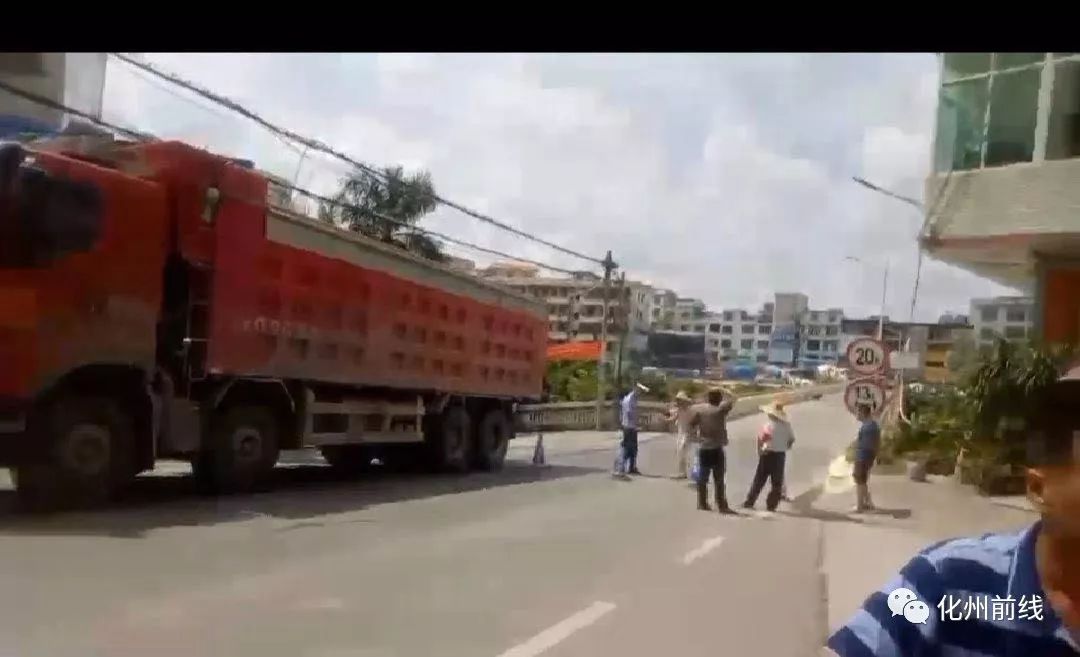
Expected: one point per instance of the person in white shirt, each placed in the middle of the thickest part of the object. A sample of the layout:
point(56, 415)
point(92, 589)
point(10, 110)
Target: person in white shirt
point(774, 440)
point(680, 414)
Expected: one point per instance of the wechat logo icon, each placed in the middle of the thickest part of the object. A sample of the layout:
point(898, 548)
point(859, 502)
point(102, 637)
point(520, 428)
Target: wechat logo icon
point(904, 602)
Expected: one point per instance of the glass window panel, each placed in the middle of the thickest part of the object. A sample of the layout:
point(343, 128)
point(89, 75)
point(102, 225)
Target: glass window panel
point(964, 64)
point(1010, 136)
point(1063, 129)
point(1004, 60)
point(961, 115)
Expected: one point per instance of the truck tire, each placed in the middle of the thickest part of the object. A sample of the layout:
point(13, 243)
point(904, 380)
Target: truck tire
point(492, 439)
point(349, 459)
point(91, 455)
point(242, 451)
point(450, 440)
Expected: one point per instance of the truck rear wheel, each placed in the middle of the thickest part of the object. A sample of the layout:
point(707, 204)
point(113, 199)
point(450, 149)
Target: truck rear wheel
point(492, 439)
point(350, 459)
point(243, 449)
point(91, 454)
point(449, 439)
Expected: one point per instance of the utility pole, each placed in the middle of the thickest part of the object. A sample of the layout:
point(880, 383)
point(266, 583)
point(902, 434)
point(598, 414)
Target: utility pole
point(884, 289)
point(624, 317)
point(609, 267)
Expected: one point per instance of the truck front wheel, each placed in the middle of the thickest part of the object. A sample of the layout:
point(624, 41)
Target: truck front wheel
point(492, 439)
point(91, 454)
point(242, 451)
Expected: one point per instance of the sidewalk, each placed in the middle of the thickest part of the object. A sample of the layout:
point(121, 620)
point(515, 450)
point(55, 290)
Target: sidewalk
point(861, 552)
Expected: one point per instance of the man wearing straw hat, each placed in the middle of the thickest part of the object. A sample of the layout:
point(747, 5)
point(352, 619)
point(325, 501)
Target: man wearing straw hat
point(774, 440)
point(681, 414)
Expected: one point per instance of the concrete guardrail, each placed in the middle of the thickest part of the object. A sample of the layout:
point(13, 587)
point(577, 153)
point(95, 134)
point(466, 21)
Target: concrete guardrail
point(581, 416)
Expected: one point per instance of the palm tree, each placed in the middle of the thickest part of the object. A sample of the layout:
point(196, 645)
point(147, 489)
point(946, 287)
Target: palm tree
point(386, 209)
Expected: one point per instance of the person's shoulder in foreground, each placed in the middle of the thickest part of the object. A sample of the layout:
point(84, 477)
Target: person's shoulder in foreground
point(1015, 594)
point(942, 603)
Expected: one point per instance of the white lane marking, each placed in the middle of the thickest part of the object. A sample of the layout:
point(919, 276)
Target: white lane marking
point(708, 546)
point(560, 631)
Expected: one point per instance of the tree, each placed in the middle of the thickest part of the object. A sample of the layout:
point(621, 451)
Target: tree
point(387, 209)
point(963, 357)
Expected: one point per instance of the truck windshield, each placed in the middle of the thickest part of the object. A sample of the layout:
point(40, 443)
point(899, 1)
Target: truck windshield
point(44, 217)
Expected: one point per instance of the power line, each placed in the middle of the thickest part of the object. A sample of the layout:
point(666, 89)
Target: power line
point(319, 146)
point(46, 102)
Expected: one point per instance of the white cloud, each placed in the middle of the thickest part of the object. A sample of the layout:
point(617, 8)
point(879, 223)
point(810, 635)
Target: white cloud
point(724, 176)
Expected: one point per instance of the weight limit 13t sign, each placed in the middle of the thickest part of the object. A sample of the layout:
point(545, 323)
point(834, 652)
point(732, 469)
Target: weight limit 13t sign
point(870, 393)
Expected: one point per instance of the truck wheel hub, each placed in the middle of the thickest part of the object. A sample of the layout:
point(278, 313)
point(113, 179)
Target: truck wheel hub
point(247, 445)
point(86, 449)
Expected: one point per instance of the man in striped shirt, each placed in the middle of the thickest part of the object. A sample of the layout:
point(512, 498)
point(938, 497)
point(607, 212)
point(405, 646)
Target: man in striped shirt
point(1015, 594)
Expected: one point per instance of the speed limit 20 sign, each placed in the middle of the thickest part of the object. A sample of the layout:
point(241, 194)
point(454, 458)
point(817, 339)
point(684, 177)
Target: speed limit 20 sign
point(867, 356)
point(867, 392)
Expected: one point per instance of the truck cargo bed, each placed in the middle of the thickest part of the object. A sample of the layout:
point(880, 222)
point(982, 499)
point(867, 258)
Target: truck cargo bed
point(304, 300)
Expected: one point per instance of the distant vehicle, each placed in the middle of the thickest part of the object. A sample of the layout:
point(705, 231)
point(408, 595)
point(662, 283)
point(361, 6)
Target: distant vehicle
point(155, 304)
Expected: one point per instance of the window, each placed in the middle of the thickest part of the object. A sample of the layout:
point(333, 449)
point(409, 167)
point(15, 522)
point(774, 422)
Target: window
point(987, 334)
point(1015, 315)
point(747, 344)
point(685, 327)
point(762, 358)
point(988, 109)
point(935, 363)
point(813, 345)
point(728, 316)
point(725, 344)
point(1015, 332)
point(834, 318)
point(832, 330)
point(764, 329)
point(989, 313)
point(813, 330)
point(747, 328)
point(726, 330)
point(714, 328)
point(829, 345)
point(763, 344)
point(1063, 126)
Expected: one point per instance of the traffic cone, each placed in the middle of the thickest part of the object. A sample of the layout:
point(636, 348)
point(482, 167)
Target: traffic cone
point(538, 451)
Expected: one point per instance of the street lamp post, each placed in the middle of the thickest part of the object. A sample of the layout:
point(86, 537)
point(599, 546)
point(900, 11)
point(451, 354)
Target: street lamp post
point(884, 290)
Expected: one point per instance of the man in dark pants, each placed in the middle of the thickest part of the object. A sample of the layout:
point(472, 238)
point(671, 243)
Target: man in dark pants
point(710, 421)
point(628, 419)
point(774, 440)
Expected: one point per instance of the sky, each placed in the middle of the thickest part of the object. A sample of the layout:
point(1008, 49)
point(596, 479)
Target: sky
point(725, 177)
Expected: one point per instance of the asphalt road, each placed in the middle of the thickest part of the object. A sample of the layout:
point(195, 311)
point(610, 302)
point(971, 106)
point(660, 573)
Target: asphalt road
point(559, 560)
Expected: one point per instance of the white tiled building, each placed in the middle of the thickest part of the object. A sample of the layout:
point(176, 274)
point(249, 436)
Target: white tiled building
point(1007, 317)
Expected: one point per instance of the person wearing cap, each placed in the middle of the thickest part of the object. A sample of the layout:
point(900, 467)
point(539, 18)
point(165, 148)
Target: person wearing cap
point(628, 422)
point(710, 422)
point(774, 440)
point(680, 414)
point(1035, 571)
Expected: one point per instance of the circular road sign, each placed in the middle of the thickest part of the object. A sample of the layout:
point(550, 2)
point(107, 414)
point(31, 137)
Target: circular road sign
point(867, 356)
point(865, 391)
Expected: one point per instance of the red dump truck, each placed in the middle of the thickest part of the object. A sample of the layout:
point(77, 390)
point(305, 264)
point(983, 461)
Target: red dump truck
point(154, 303)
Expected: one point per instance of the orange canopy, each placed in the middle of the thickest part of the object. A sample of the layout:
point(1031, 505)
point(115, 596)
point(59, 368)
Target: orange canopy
point(574, 351)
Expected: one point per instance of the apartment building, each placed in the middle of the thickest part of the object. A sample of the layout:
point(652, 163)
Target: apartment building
point(663, 309)
point(1002, 317)
point(782, 332)
point(559, 294)
point(74, 79)
point(1004, 189)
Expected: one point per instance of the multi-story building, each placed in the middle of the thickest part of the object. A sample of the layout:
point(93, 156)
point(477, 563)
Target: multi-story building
point(1003, 192)
point(1001, 317)
point(73, 79)
point(663, 309)
point(581, 294)
point(782, 332)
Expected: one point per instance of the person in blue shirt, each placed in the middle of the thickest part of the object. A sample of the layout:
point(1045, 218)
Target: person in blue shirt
point(866, 450)
point(1011, 594)
point(628, 422)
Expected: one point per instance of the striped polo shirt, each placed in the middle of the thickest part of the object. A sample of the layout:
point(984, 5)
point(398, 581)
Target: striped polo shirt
point(984, 599)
